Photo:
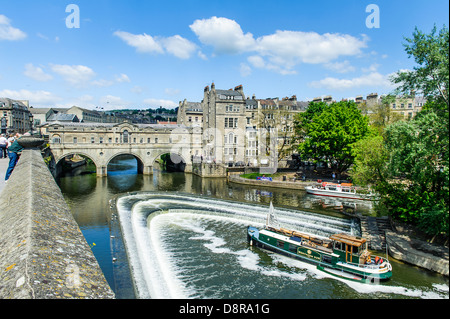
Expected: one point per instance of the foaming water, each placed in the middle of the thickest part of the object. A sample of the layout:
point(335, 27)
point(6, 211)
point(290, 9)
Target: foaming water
point(183, 246)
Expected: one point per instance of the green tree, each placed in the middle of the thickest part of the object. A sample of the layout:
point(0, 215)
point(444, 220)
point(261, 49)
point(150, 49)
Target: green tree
point(418, 191)
point(370, 166)
point(327, 133)
point(430, 77)
point(381, 114)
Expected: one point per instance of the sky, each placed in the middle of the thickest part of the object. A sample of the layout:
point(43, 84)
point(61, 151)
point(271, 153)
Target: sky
point(139, 54)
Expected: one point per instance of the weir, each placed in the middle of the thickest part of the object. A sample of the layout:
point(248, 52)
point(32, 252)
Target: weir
point(43, 254)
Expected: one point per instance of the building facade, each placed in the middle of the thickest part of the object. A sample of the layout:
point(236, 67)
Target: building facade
point(15, 116)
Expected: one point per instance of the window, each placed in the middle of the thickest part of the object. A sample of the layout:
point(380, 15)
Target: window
point(125, 136)
point(75, 140)
point(56, 140)
point(280, 244)
point(292, 248)
point(101, 140)
point(92, 140)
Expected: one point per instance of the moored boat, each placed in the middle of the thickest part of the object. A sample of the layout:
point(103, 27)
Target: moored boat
point(341, 255)
point(343, 190)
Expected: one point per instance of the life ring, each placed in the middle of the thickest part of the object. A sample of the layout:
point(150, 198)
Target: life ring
point(368, 260)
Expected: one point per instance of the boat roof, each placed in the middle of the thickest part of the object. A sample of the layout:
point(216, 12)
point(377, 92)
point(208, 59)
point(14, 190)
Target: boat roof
point(348, 239)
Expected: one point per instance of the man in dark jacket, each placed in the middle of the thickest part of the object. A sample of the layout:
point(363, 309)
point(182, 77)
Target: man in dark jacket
point(13, 154)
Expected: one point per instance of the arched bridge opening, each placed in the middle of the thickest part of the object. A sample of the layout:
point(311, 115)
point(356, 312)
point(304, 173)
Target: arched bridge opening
point(73, 164)
point(170, 162)
point(125, 164)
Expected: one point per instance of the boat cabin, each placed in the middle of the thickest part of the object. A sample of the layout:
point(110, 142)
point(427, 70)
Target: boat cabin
point(352, 249)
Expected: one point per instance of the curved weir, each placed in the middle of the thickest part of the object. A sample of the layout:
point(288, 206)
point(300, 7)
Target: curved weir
point(186, 246)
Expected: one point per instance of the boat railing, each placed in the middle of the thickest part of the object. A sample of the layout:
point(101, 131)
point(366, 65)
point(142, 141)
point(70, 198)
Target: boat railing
point(369, 266)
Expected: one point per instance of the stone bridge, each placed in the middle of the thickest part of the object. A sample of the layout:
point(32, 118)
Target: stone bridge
point(102, 142)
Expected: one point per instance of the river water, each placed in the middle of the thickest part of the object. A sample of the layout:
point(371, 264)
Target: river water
point(185, 237)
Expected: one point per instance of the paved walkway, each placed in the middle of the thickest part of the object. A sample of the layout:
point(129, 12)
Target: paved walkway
point(3, 167)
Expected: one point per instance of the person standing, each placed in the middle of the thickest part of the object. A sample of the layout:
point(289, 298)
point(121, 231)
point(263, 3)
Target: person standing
point(3, 144)
point(13, 153)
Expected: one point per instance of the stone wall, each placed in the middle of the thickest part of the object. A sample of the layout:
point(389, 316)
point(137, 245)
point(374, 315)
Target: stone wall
point(43, 254)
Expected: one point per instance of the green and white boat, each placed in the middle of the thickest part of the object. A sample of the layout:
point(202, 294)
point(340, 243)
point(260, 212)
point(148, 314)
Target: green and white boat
point(341, 255)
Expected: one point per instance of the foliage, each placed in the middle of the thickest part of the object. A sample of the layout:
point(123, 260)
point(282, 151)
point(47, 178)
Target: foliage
point(381, 114)
point(370, 161)
point(409, 165)
point(431, 77)
point(327, 132)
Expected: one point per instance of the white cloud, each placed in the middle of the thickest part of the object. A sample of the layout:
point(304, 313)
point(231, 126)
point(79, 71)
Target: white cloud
point(280, 51)
point(36, 73)
point(122, 78)
point(9, 33)
point(340, 67)
point(259, 62)
point(144, 43)
point(373, 79)
point(225, 35)
point(42, 98)
point(76, 75)
point(179, 47)
point(158, 102)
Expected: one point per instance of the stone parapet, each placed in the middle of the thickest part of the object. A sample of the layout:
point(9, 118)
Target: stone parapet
point(43, 254)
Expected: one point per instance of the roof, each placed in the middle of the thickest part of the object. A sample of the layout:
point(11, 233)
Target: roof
point(228, 92)
point(63, 117)
point(348, 239)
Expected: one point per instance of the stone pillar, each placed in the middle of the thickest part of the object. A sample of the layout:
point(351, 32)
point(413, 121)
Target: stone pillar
point(102, 171)
point(148, 170)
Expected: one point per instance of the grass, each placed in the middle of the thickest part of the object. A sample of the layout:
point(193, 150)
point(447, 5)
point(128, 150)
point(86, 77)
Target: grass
point(255, 175)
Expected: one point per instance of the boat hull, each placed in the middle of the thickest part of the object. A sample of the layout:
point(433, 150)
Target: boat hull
point(330, 193)
point(325, 261)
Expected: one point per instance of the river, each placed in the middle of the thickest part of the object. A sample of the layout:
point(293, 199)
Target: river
point(186, 238)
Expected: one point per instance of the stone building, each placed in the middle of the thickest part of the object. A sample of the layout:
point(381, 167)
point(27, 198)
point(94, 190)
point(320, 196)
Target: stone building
point(224, 125)
point(15, 116)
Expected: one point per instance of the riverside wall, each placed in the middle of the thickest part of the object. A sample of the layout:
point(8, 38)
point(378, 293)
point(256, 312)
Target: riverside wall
point(43, 254)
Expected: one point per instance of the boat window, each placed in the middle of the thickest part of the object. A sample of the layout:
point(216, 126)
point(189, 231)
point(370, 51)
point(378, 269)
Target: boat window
point(338, 245)
point(355, 249)
point(280, 244)
point(293, 248)
point(326, 259)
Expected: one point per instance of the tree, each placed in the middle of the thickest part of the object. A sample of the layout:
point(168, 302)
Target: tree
point(431, 77)
point(418, 164)
point(370, 167)
point(326, 132)
point(419, 149)
point(381, 114)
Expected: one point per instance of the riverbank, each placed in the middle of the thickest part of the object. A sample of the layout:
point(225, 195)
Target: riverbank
point(401, 243)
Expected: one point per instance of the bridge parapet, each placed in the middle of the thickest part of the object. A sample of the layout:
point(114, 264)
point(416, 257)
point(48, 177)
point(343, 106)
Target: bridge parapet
point(43, 254)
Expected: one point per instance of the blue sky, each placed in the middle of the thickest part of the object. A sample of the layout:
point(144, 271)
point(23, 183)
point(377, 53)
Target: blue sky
point(143, 54)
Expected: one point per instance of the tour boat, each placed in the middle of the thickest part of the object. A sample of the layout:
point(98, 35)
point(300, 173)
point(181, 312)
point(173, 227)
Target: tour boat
point(341, 255)
point(343, 190)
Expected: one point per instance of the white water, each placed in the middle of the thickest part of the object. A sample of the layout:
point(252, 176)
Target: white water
point(155, 261)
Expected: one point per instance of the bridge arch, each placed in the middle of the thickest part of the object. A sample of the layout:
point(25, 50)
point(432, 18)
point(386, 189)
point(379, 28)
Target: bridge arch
point(58, 166)
point(140, 161)
point(177, 160)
